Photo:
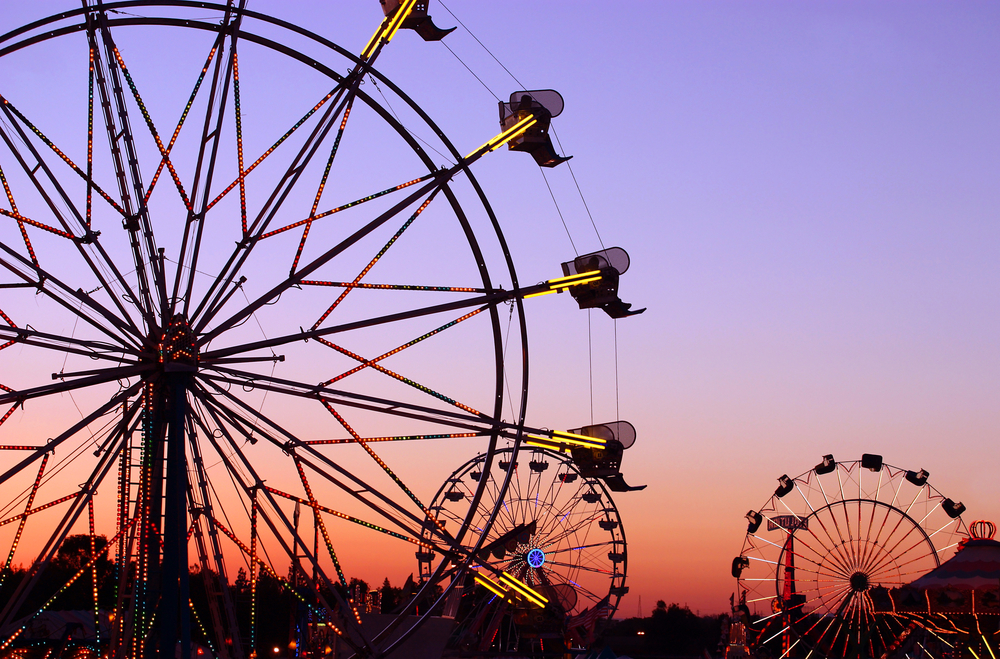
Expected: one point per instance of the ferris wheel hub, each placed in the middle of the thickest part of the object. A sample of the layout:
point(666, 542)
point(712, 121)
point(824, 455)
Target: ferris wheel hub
point(178, 350)
point(536, 558)
point(859, 582)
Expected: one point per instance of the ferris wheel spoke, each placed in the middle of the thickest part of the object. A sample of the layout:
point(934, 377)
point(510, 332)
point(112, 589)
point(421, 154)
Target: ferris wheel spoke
point(839, 558)
point(559, 515)
point(492, 298)
point(887, 565)
point(472, 425)
point(385, 467)
point(826, 551)
point(17, 119)
point(565, 533)
point(31, 265)
point(429, 189)
point(563, 578)
point(368, 363)
point(257, 485)
point(164, 151)
point(550, 514)
point(95, 350)
point(891, 552)
point(352, 204)
point(420, 209)
point(116, 400)
point(164, 157)
point(271, 207)
point(209, 144)
point(359, 486)
point(556, 521)
point(78, 504)
point(594, 545)
point(135, 212)
point(349, 103)
point(869, 549)
point(105, 375)
point(76, 302)
point(583, 568)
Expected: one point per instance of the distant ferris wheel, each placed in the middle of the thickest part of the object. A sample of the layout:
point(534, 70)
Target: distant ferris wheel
point(822, 553)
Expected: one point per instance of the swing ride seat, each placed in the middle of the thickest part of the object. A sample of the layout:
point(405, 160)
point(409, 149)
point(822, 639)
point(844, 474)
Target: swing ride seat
point(605, 463)
point(418, 20)
point(542, 104)
point(601, 293)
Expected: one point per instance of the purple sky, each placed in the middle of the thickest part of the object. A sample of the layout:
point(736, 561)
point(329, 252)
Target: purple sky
point(809, 195)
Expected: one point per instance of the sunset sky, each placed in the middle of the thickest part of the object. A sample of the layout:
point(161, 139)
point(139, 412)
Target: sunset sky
point(809, 196)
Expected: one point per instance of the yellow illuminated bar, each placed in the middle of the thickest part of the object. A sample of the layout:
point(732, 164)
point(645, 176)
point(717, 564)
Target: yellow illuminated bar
point(576, 283)
point(528, 593)
point(542, 293)
point(401, 15)
point(490, 585)
point(596, 442)
point(576, 276)
point(388, 31)
point(559, 439)
point(544, 442)
point(507, 135)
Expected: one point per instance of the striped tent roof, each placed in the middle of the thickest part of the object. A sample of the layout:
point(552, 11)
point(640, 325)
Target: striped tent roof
point(976, 565)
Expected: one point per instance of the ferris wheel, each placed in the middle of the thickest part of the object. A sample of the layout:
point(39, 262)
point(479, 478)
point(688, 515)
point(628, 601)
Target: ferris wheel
point(558, 536)
point(822, 554)
point(236, 284)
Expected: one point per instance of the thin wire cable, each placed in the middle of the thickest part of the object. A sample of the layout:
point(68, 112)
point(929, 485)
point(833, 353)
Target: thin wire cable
point(578, 189)
point(590, 357)
point(400, 121)
point(462, 62)
point(618, 412)
point(559, 211)
point(482, 44)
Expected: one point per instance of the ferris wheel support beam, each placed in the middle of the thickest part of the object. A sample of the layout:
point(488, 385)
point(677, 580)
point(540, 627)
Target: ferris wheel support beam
point(175, 625)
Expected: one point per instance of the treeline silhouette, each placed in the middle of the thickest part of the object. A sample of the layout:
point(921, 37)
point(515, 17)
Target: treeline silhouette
point(670, 631)
point(281, 602)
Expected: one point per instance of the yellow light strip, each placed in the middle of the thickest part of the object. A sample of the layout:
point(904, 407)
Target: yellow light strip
point(400, 16)
point(507, 135)
point(388, 31)
point(987, 644)
point(490, 585)
point(530, 594)
point(583, 438)
point(561, 438)
point(365, 54)
point(575, 283)
point(545, 443)
point(542, 293)
point(576, 276)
